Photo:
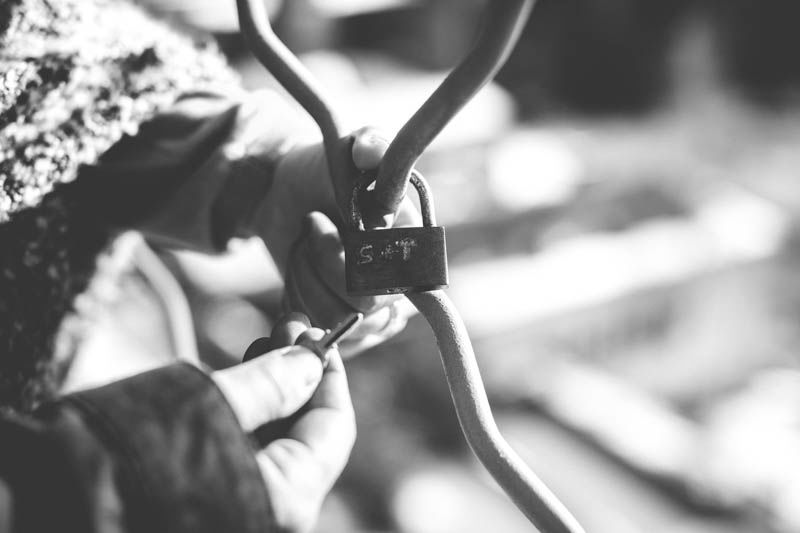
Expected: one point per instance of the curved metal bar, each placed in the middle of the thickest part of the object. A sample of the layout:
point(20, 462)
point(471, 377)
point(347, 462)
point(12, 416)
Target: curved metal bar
point(303, 87)
point(505, 20)
point(527, 491)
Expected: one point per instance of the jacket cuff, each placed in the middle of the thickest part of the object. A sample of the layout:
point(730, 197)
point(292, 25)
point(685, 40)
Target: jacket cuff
point(183, 462)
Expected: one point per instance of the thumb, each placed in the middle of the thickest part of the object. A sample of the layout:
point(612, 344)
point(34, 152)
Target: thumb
point(270, 387)
point(369, 146)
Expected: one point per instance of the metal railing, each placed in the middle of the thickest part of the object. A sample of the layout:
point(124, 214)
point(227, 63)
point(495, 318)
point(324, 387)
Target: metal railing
point(504, 23)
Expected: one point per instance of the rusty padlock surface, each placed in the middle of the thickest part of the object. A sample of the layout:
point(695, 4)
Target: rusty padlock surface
point(395, 260)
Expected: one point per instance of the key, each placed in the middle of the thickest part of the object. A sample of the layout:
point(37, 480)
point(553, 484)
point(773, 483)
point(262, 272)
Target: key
point(287, 329)
point(331, 337)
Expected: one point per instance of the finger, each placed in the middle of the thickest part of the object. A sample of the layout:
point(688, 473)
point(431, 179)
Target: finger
point(269, 387)
point(333, 392)
point(391, 317)
point(369, 146)
point(310, 335)
point(292, 299)
point(311, 339)
point(276, 429)
point(326, 257)
point(306, 292)
point(288, 328)
point(284, 333)
point(378, 332)
point(385, 316)
point(295, 292)
point(294, 485)
point(326, 432)
point(325, 254)
point(374, 329)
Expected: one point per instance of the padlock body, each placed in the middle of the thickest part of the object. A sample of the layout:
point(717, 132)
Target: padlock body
point(396, 260)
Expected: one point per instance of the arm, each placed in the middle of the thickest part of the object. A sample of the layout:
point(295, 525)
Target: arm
point(216, 168)
point(171, 450)
point(158, 452)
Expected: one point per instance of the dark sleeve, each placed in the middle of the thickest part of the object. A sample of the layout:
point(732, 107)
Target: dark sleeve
point(161, 451)
point(191, 177)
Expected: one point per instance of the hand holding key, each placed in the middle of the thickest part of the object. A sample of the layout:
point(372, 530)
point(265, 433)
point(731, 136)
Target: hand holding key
point(297, 326)
point(283, 385)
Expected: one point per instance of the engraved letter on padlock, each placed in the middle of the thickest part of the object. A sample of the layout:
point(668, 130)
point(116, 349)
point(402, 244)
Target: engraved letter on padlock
point(395, 260)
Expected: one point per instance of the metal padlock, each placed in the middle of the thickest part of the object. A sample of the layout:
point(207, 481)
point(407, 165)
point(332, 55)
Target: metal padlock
point(395, 260)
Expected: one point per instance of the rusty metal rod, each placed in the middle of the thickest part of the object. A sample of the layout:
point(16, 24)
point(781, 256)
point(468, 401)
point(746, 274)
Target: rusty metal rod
point(463, 377)
point(527, 491)
point(303, 87)
point(505, 20)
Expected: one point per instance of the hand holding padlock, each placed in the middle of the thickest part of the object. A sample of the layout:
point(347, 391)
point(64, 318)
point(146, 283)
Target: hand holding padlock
point(307, 247)
point(399, 259)
point(315, 286)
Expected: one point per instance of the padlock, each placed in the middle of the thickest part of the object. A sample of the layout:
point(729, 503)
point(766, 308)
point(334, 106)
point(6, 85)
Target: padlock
point(395, 260)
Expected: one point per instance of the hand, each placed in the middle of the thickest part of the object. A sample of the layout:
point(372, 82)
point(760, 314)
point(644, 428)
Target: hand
point(224, 195)
point(304, 241)
point(299, 465)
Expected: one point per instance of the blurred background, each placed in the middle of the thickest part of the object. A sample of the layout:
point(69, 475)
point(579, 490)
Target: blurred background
point(622, 213)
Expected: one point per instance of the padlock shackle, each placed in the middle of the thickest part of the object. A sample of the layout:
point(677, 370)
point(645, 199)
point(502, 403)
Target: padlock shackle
point(504, 22)
point(417, 180)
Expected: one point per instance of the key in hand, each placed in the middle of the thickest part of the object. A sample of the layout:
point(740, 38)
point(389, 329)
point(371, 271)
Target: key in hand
point(287, 329)
point(332, 336)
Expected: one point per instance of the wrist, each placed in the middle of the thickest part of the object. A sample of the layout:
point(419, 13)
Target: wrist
point(248, 185)
point(295, 191)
